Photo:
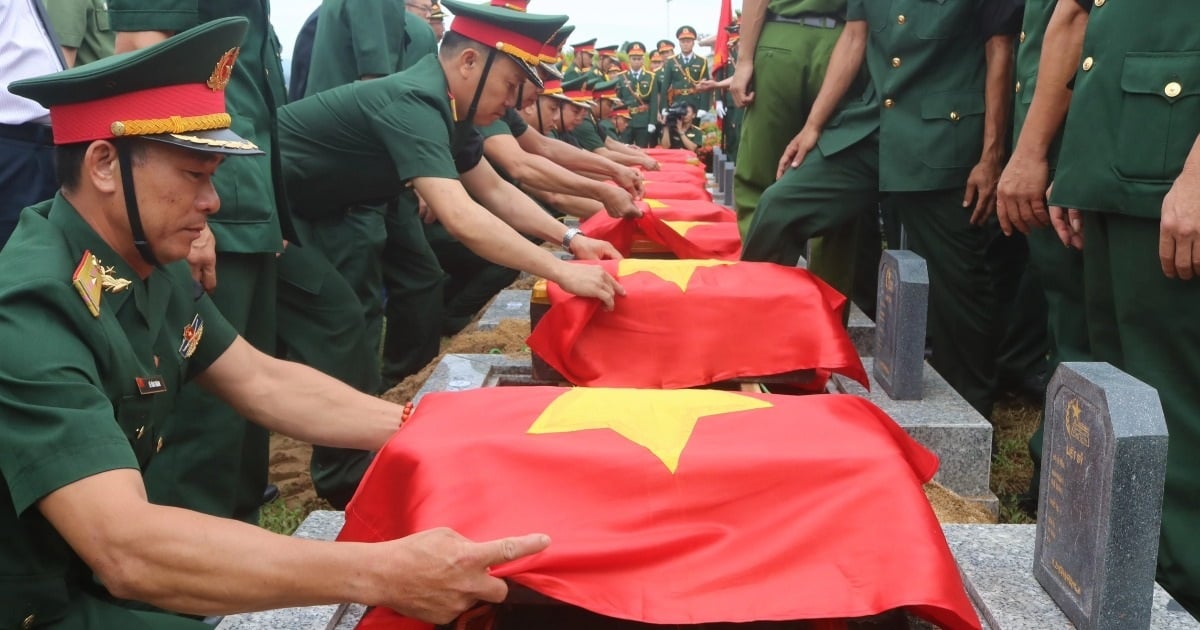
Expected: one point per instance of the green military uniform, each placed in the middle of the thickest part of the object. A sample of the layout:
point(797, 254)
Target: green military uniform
point(693, 133)
point(731, 126)
point(1059, 270)
point(681, 76)
point(220, 467)
point(638, 90)
point(572, 71)
point(915, 133)
point(589, 135)
point(1135, 115)
point(82, 25)
point(95, 354)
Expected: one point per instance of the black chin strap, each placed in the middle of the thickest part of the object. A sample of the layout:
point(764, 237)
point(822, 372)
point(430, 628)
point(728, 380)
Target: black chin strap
point(124, 149)
point(541, 123)
point(467, 123)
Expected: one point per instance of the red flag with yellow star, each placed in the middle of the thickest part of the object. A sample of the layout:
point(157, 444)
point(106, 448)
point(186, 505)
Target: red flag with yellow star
point(685, 323)
point(672, 155)
point(676, 507)
point(684, 239)
point(694, 176)
point(676, 190)
point(687, 210)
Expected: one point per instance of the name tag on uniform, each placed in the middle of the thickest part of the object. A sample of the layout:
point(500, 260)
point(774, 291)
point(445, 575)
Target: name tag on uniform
point(151, 385)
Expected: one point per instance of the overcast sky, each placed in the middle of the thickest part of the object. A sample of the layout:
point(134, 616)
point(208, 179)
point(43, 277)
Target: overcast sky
point(611, 21)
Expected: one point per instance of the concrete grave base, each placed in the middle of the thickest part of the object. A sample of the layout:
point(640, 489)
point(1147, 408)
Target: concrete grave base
point(996, 562)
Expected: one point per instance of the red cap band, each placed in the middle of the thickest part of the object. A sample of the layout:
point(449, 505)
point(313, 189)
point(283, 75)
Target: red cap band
point(499, 38)
point(93, 120)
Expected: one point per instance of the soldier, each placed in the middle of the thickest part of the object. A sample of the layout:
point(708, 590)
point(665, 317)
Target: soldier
point(638, 91)
point(683, 74)
point(610, 63)
point(726, 106)
point(1126, 192)
point(682, 133)
point(398, 133)
point(591, 138)
point(437, 21)
point(82, 28)
point(582, 64)
point(620, 125)
point(928, 131)
point(656, 62)
point(103, 325)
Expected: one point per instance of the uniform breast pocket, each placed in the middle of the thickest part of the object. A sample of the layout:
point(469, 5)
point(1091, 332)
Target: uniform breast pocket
point(879, 14)
point(135, 416)
point(102, 24)
point(952, 133)
point(1160, 114)
point(942, 19)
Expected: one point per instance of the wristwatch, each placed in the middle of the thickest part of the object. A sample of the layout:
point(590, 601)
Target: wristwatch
point(569, 236)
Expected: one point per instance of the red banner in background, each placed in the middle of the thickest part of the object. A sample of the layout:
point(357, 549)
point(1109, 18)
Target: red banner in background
point(676, 507)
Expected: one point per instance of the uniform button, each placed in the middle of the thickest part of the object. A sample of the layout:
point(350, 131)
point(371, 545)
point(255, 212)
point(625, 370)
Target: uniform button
point(895, 62)
point(28, 622)
point(1173, 89)
point(954, 116)
point(1022, 38)
point(900, 19)
point(1099, 3)
point(140, 431)
point(1018, 87)
point(158, 447)
point(889, 103)
point(1087, 64)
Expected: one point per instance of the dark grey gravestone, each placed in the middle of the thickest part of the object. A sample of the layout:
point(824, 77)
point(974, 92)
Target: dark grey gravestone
point(727, 185)
point(901, 311)
point(1104, 463)
point(718, 169)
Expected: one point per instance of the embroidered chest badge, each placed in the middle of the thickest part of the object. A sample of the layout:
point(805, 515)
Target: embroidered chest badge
point(191, 337)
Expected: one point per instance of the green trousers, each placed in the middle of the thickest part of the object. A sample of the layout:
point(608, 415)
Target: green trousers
point(212, 460)
point(1024, 344)
point(471, 281)
point(414, 283)
point(321, 326)
point(641, 135)
point(830, 193)
point(1145, 324)
point(1059, 272)
point(353, 242)
point(789, 66)
point(734, 118)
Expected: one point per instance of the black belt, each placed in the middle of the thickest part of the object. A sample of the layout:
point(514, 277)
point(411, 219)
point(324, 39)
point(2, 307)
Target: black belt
point(807, 19)
point(29, 132)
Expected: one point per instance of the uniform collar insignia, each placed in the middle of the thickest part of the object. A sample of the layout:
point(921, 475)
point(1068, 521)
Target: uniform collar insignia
point(91, 279)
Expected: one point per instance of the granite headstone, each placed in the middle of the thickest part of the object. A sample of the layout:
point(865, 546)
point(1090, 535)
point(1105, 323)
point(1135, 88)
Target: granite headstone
point(901, 313)
point(1100, 505)
point(727, 185)
point(718, 168)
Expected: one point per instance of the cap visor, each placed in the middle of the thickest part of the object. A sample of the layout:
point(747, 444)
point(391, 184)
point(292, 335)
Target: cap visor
point(560, 97)
point(210, 141)
point(551, 70)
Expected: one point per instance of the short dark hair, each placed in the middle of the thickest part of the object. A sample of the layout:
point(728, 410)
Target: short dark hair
point(68, 161)
point(454, 43)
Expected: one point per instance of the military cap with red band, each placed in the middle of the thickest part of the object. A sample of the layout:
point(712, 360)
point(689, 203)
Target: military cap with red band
point(636, 49)
point(519, 35)
point(685, 32)
point(173, 92)
point(588, 46)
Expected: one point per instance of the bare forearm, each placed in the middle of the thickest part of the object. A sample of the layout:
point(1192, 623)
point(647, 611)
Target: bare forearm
point(844, 65)
point(579, 207)
point(998, 96)
point(619, 158)
point(519, 211)
point(1061, 50)
point(543, 174)
point(298, 401)
point(570, 157)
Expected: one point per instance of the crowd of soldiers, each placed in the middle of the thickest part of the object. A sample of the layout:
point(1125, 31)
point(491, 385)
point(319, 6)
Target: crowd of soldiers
point(413, 173)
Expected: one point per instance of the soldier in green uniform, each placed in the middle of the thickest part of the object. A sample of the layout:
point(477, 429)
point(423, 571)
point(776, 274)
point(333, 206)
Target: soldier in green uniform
point(638, 90)
point(684, 134)
point(610, 63)
point(656, 62)
point(581, 65)
point(220, 465)
point(104, 324)
point(727, 108)
point(617, 125)
point(437, 21)
point(1021, 193)
point(928, 132)
point(683, 73)
point(591, 137)
point(394, 138)
point(1129, 177)
point(82, 29)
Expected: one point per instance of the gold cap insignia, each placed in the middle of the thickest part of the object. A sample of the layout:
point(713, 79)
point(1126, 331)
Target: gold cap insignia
point(221, 74)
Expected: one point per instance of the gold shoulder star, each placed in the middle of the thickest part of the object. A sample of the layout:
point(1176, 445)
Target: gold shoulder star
point(661, 421)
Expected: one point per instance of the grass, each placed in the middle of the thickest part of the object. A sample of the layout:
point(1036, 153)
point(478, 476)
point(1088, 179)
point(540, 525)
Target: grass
point(281, 517)
point(1012, 468)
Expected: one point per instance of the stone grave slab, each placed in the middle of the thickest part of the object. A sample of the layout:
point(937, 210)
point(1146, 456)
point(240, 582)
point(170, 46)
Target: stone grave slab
point(996, 562)
point(727, 185)
point(944, 423)
point(1100, 506)
point(901, 314)
point(508, 304)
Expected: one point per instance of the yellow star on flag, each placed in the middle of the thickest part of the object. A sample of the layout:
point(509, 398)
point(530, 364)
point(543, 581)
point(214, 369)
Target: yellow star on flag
point(677, 272)
point(681, 227)
point(654, 204)
point(661, 421)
